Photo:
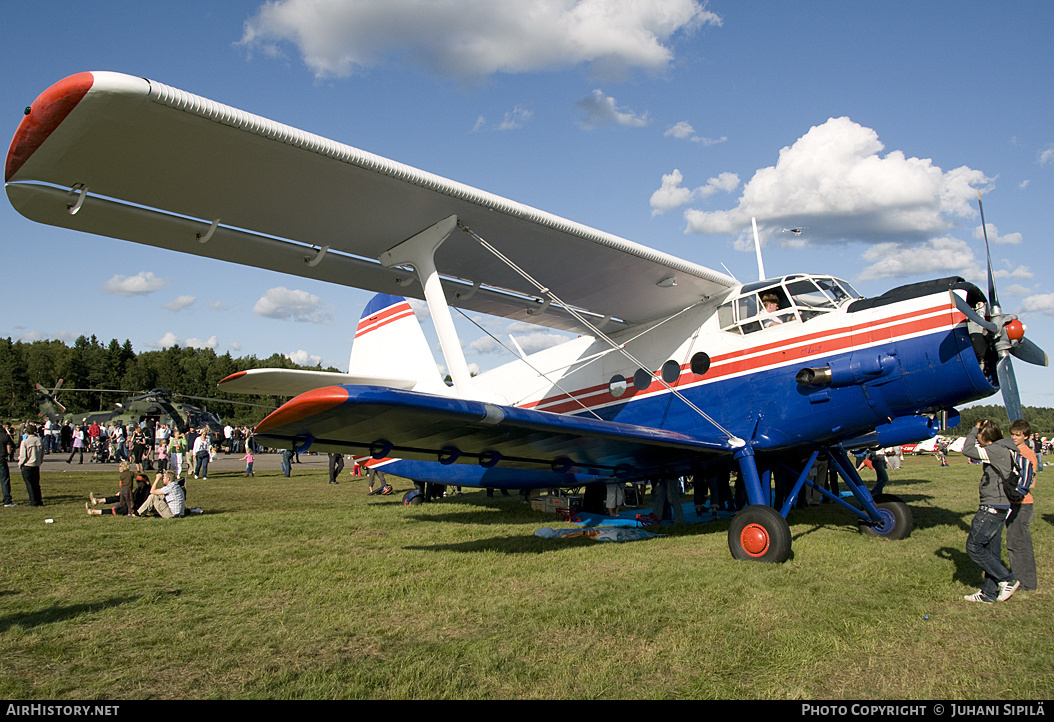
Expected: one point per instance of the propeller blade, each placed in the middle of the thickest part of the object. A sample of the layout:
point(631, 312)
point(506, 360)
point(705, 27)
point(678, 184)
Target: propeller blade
point(970, 313)
point(993, 301)
point(1030, 353)
point(1008, 385)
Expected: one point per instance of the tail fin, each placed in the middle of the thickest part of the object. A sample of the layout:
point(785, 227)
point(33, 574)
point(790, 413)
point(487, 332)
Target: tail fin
point(389, 342)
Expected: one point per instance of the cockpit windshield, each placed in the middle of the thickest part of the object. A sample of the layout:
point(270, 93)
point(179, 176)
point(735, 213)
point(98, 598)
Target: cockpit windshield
point(791, 299)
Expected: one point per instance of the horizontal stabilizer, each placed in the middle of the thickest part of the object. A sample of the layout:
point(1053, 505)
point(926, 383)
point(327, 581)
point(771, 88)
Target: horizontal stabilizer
point(386, 422)
point(293, 382)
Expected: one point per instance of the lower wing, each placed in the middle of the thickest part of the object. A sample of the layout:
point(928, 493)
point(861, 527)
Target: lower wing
point(385, 422)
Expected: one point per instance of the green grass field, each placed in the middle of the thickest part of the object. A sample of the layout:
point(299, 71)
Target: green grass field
point(296, 589)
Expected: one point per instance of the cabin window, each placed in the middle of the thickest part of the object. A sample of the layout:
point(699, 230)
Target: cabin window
point(747, 306)
point(617, 386)
point(642, 379)
point(811, 299)
point(700, 363)
point(839, 291)
point(671, 371)
point(726, 318)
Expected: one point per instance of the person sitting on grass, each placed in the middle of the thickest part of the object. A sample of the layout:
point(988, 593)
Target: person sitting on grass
point(167, 501)
point(124, 492)
point(128, 497)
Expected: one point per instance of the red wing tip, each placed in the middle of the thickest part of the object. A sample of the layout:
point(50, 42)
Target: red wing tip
point(308, 404)
point(45, 115)
point(235, 375)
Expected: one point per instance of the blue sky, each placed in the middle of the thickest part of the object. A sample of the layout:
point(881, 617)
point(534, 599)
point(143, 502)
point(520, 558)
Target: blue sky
point(669, 123)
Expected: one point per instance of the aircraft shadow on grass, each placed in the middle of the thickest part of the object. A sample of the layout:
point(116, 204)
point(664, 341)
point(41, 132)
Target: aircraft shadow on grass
point(57, 613)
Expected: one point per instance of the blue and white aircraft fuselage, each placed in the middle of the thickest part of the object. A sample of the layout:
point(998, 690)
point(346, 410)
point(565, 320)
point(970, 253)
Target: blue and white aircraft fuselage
point(678, 368)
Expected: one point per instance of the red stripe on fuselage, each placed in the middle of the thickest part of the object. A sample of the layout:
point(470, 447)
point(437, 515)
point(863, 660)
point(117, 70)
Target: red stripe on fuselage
point(770, 355)
point(383, 318)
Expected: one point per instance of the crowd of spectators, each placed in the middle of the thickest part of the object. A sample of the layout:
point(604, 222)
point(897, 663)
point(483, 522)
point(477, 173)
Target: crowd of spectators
point(146, 446)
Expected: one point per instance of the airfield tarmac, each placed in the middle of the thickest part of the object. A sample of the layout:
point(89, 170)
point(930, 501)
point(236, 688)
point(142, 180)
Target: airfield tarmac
point(266, 461)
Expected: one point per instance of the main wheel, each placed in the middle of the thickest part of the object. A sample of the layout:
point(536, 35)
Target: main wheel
point(759, 533)
point(897, 521)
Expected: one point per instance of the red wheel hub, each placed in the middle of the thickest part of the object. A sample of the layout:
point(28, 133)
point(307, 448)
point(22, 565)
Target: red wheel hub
point(754, 539)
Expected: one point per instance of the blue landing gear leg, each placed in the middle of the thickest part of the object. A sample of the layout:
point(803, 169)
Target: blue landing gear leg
point(758, 532)
point(884, 515)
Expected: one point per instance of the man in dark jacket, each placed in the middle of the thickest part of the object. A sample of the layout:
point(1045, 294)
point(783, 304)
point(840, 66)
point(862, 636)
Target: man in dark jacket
point(984, 545)
point(7, 447)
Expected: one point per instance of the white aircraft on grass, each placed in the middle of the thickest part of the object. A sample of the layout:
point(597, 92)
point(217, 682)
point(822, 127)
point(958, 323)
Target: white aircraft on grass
point(678, 369)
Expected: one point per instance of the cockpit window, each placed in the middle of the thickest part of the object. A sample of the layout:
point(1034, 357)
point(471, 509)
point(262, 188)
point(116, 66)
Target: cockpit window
point(793, 298)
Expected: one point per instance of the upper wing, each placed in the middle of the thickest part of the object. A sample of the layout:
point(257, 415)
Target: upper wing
point(166, 168)
point(410, 425)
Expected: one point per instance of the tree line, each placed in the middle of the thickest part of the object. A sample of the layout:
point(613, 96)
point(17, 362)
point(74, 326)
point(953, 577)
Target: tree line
point(88, 364)
point(117, 372)
point(1040, 418)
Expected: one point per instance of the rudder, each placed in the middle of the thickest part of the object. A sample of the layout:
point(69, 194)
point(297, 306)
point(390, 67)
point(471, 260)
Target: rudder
point(389, 342)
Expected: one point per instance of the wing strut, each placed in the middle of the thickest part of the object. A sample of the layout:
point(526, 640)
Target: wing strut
point(735, 441)
point(419, 252)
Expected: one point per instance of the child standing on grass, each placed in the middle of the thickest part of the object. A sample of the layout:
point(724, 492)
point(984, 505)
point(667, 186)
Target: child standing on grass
point(985, 443)
point(249, 458)
point(1018, 535)
point(162, 457)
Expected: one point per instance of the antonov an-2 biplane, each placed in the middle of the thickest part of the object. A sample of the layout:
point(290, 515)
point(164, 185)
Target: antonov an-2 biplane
point(678, 369)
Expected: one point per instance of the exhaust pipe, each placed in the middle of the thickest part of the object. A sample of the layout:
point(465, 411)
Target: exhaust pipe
point(814, 377)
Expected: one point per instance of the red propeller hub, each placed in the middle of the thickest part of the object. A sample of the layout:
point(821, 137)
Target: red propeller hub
point(1015, 330)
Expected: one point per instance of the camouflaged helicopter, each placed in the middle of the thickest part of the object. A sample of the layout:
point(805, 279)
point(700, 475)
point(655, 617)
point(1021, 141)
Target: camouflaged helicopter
point(157, 404)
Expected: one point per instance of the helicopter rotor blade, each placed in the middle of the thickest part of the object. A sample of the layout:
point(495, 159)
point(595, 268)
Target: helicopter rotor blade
point(224, 401)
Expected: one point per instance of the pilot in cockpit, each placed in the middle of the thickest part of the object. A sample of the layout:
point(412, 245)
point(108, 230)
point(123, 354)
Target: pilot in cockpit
point(771, 303)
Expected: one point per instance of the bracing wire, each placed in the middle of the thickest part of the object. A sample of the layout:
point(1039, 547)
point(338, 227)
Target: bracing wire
point(621, 348)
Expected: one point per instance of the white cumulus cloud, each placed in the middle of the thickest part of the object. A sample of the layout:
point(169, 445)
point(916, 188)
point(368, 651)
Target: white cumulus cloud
point(994, 237)
point(302, 358)
point(292, 305)
point(1042, 303)
point(834, 180)
point(672, 194)
point(170, 339)
point(684, 131)
point(140, 284)
point(602, 109)
point(513, 120)
point(476, 38)
point(198, 343)
point(179, 303)
point(166, 341)
point(936, 257)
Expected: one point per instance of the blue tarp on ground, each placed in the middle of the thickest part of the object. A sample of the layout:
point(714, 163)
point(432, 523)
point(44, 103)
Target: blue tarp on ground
point(616, 534)
point(628, 518)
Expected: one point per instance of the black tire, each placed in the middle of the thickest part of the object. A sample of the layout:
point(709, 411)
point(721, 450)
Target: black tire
point(897, 517)
point(759, 533)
